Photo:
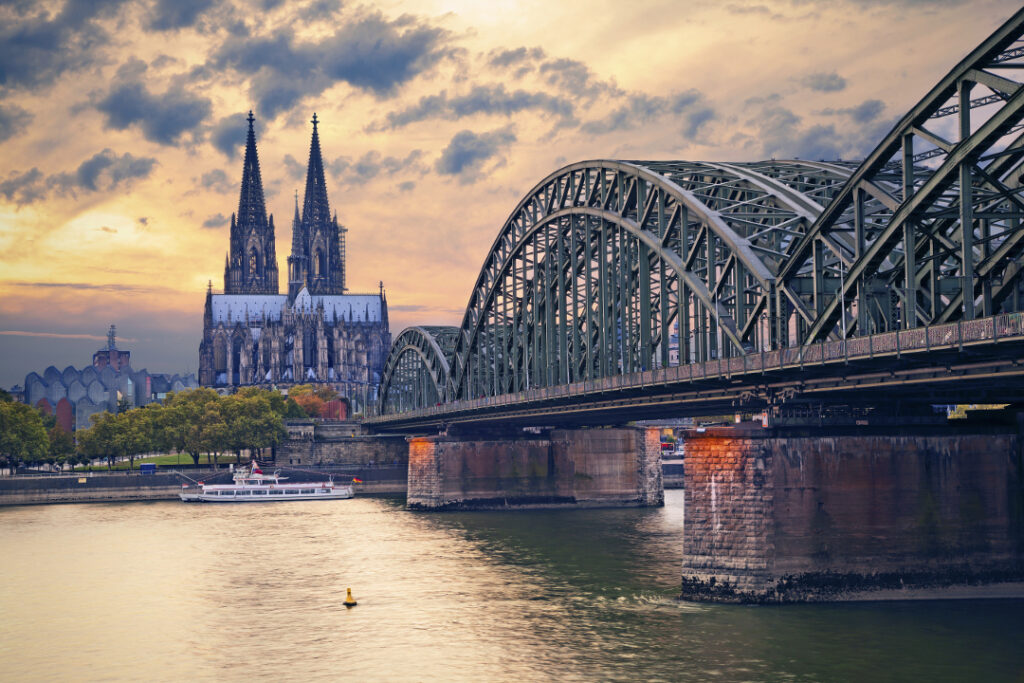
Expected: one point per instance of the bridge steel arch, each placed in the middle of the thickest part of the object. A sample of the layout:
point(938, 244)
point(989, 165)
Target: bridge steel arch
point(416, 371)
point(943, 240)
point(595, 265)
point(613, 267)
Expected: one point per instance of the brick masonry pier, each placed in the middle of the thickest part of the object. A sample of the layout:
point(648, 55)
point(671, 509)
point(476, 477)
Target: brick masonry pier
point(581, 468)
point(775, 515)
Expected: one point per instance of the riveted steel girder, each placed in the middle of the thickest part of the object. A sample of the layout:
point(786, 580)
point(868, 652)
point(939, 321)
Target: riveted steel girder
point(946, 245)
point(608, 267)
point(417, 369)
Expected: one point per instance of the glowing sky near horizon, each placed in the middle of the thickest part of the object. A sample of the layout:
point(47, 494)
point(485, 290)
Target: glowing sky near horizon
point(122, 125)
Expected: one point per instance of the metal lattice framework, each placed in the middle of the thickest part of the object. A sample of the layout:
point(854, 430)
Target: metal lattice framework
point(614, 267)
point(416, 372)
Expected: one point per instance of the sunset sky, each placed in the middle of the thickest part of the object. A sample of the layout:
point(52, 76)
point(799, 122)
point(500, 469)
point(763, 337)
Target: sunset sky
point(122, 126)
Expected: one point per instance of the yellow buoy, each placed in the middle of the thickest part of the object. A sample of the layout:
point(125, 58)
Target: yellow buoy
point(349, 600)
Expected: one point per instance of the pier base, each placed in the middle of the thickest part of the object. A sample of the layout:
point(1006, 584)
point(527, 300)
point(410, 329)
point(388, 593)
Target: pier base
point(572, 468)
point(815, 515)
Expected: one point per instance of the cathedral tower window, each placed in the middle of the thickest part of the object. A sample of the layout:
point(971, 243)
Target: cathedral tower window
point(254, 262)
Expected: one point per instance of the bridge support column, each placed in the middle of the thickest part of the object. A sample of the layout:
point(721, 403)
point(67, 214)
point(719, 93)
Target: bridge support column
point(573, 468)
point(829, 515)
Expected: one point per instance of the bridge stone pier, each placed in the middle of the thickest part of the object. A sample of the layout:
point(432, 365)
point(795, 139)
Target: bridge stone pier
point(788, 515)
point(559, 468)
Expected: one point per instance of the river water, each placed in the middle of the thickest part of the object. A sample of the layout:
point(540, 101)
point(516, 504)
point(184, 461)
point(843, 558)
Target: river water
point(168, 591)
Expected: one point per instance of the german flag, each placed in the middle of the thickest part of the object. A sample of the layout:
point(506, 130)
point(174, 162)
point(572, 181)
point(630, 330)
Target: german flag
point(357, 480)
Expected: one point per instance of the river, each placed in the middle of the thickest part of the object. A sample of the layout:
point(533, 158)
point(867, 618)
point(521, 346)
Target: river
point(168, 591)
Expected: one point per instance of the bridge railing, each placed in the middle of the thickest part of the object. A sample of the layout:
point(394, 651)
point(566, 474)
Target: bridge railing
point(956, 335)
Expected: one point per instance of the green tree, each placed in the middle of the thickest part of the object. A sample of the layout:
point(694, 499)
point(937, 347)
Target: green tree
point(293, 410)
point(62, 446)
point(22, 435)
point(103, 439)
point(188, 420)
point(253, 423)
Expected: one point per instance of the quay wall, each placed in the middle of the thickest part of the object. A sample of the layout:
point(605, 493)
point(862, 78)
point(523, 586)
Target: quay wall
point(581, 468)
point(324, 443)
point(776, 517)
point(106, 488)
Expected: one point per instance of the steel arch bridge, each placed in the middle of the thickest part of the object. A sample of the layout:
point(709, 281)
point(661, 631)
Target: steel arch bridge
point(617, 267)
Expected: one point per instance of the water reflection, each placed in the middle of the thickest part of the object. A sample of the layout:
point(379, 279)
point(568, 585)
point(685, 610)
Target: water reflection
point(166, 591)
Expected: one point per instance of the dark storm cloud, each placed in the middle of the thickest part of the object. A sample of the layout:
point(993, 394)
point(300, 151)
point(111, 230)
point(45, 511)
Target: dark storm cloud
point(13, 120)
point(370, 53)
point(824, 82)
point(36, 50)
point(865, 112)
point(689, 106)
point(174, 14)
point(482, 99)
point(102, 172)
point(215, 221)
point(467, 152)
point(163, 118)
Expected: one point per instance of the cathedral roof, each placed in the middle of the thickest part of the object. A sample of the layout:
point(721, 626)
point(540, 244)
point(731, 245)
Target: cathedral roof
point(356, 308)
point(251, 208)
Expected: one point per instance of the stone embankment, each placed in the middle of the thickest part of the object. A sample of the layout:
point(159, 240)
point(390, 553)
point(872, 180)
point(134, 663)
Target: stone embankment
point(108, 488)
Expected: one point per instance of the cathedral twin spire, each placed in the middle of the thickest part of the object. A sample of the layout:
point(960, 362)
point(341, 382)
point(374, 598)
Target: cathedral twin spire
point(318, 247)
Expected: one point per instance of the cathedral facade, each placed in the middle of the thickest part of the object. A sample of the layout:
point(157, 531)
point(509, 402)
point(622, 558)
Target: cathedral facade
point(317, 332)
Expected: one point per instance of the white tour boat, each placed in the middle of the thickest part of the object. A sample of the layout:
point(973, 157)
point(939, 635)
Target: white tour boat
point(252, 486)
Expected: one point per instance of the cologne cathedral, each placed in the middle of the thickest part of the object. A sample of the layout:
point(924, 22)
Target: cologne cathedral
point(317, 332)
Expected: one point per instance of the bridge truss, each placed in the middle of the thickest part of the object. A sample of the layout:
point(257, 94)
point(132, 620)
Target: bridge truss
point(612, 268)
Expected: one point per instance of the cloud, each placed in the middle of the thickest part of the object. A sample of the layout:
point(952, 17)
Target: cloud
point(467, 151)
point(24, 188)
point(107, 228)
point(373, 164)
point(174, 14)
point(641, 109)
point(13, 120)
point(824, 82)
point(295, 169)
point(143, 220)
point(162, 118)
point(502, 58)
point(216, 180)
point(865, 112)
point(319, 9)
point(407, 186)
point(228, 134)
point(576, 78)
point(104, 171)
point(370, 53)
point(61, 335)
point(36, 50)
point(482, 99)
point(215, 221)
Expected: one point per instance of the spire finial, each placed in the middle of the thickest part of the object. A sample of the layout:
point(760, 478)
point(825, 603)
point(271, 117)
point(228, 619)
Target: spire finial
point(251, 119)
point(314, 122)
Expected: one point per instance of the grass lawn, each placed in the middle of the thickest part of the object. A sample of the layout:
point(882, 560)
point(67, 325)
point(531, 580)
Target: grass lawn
point(165, 460)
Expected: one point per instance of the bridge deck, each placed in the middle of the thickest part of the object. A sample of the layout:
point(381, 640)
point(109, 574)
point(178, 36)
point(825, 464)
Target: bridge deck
point(984, 356)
